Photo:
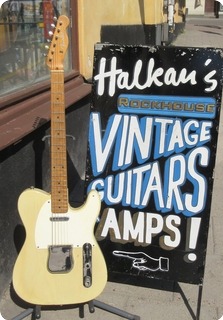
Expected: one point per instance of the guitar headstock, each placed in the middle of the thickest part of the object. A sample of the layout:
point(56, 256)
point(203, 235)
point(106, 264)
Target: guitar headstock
point(59, 44)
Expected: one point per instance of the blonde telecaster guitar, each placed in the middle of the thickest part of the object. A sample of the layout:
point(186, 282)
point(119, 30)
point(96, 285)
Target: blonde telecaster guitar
point(60, 261)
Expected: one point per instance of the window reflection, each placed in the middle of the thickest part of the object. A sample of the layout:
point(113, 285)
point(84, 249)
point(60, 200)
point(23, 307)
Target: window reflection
point(24, 31)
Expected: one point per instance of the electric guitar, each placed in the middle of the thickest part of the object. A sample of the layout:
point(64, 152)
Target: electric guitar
point(60, 262)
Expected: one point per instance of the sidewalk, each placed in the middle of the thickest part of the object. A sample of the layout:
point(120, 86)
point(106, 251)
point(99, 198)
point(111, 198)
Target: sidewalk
point(152, 304)
point(202, 32)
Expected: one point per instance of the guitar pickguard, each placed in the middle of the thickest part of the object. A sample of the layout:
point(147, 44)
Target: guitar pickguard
point(63, 229)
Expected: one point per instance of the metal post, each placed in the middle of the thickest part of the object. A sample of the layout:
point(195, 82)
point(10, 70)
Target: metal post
point(199, 299)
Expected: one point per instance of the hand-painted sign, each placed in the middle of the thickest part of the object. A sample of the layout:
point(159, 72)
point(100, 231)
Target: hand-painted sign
point(151, 156)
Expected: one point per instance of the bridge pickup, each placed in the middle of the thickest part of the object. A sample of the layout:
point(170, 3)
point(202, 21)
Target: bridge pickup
point(87, 265)
point(59, 219)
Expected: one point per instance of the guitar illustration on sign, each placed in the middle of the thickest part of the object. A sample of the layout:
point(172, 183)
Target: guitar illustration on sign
point(60, 262)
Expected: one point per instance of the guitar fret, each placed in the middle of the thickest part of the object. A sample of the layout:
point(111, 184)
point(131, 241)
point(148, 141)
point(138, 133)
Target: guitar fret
point(59, 171)
point(58, 137)
point(59, 174)
point(56, 134)
point(53, 135)
point(59, 162)
point(57, 71)
point(58, 122)
point(59, 188)
point(59, 158)
point(58, 148)
point(58, 145)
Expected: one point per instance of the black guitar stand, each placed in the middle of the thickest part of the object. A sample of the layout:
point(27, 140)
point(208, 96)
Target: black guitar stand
point(36, 311)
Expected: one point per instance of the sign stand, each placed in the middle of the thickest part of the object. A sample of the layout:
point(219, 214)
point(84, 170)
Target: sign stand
point(36, 311)
point(199, 299)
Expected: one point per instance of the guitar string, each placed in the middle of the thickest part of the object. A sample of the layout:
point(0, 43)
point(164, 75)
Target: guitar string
point(60, 225)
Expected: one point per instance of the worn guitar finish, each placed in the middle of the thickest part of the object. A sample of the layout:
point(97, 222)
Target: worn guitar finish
point(60, 261)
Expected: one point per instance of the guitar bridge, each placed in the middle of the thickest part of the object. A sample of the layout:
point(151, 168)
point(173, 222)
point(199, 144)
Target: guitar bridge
point(60, 259)
point(87, 265)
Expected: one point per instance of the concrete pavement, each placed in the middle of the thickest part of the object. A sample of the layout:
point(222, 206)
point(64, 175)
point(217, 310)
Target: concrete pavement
point(202, 32)
point(155, 304)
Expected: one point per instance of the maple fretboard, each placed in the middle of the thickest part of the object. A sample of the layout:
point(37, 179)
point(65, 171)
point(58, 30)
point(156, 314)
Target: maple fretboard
point(59, 194)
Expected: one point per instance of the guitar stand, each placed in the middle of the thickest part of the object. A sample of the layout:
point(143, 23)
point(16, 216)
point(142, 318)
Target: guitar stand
point(114, 310)
point(36, 311)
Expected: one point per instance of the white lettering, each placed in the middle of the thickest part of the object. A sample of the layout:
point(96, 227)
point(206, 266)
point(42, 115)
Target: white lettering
point(155, 76)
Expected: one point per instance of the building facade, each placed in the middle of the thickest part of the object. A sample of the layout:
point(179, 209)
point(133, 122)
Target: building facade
point(25, 98)
point(203, 7)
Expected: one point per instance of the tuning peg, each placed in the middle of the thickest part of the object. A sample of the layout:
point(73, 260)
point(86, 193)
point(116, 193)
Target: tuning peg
point(55, 19)
point(48, 40)
point(47, 47)
point(50, 33)
point(53, 25)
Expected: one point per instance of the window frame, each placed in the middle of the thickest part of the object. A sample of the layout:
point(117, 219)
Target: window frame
point(20, 111)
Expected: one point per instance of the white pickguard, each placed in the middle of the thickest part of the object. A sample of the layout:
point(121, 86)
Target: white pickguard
point(74, 228)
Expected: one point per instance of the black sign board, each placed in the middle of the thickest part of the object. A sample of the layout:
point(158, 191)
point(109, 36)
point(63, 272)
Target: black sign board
point(152, 147)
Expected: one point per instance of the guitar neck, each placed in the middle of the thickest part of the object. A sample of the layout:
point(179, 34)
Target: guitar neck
point(59, 194)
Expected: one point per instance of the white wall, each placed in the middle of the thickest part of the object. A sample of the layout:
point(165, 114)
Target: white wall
point(192, 10)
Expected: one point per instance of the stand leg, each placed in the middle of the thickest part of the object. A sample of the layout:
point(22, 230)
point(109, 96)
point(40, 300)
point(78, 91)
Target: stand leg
point(114, 310)
point(36, 313)
point(23, 315)
point(91, 306)
point(81, 311)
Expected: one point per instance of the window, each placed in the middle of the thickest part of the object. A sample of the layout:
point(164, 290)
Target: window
point(24, 31)
point(24, 76)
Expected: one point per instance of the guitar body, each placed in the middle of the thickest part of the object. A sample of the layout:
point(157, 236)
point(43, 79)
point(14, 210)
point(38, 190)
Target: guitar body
point(41, 277)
